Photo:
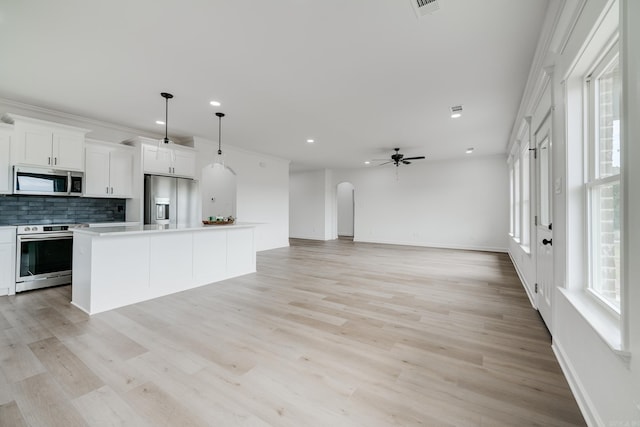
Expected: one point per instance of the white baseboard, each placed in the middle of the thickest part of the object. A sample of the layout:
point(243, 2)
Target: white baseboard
point(433, 245)
point(525, 285)
point(582, 398)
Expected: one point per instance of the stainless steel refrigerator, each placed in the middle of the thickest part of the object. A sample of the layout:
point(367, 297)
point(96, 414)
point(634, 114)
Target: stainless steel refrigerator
point(169, 200)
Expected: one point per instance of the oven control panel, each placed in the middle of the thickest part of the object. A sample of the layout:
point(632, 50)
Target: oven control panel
point(42, 229)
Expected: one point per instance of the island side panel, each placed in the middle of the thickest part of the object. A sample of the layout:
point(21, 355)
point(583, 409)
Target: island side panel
point(209, 256)
point(241, 252)
point(120, 273)
point(171, 263)
point(81, 278)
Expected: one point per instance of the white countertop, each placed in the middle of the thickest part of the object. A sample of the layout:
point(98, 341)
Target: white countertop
point(144, 229)
point(7, 227)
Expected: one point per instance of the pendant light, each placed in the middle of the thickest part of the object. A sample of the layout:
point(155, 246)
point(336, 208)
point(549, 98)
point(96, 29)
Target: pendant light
point(219, 158)
point(167, 97)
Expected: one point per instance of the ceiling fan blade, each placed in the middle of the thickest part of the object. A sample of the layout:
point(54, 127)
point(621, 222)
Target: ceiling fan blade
point(414, 158)
point(405, 162)
point(385, 163)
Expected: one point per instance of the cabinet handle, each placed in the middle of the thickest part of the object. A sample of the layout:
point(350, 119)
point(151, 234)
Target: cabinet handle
point(48, 160)
point(111, 190)
point(107, 190)
point(55, 160)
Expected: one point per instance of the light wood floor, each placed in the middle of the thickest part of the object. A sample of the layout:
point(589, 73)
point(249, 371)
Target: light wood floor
point(325, 334)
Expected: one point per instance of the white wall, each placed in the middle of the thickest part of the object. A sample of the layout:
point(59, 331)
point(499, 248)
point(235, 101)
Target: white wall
point(450, 204)
point(345, 209)
point(605, 382)
point(262, 190)
point(308, 205)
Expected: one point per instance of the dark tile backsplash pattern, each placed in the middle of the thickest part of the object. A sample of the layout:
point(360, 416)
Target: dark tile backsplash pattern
point(16, 210)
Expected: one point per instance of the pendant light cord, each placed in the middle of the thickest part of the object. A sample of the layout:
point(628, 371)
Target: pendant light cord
point(167, 97)
point(220, 116)
point(166, 121)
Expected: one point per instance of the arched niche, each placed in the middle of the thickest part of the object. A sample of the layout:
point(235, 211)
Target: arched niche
point(219, 191)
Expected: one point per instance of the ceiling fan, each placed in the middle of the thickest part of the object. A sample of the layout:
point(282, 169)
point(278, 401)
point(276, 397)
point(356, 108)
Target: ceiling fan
point(398, 158)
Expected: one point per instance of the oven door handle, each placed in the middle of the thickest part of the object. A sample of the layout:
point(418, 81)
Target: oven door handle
point(41, 237)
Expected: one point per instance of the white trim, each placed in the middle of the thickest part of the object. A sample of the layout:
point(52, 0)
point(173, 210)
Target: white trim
point(76, 118)
point(523, 280)
point(435, 245)
point(606, 326)
point(587, 408)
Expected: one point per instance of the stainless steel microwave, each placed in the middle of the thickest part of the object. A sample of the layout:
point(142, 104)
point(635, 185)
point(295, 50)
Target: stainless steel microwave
point(47, 182)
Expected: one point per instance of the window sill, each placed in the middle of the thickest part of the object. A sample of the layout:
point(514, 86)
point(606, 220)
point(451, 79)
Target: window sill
point(603, 323)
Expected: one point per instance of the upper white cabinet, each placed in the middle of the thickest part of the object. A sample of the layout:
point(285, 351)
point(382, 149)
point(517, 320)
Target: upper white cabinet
point(169, 161)
point(109, 170)
point(40, 143)
point(5, 164)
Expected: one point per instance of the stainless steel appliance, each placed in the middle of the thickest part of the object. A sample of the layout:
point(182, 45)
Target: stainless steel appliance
point(44, 255)
point(169, 200)
point(47, 182)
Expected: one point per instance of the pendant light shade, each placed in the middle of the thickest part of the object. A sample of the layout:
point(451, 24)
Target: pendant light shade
point(167, 97)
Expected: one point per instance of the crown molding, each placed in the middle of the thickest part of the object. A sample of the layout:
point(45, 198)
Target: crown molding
point(76, 118)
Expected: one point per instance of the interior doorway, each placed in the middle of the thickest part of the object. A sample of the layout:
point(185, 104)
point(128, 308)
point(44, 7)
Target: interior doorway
point(346, 209)
point(219, 191)
point(544, 227)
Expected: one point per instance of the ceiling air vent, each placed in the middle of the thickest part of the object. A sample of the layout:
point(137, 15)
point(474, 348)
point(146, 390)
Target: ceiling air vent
point(424, 7)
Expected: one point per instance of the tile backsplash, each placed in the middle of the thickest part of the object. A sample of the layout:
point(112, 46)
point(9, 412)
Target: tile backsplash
point(16, 210)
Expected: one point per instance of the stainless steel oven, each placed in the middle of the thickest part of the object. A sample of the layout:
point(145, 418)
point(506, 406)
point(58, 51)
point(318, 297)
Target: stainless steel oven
point(44, 256)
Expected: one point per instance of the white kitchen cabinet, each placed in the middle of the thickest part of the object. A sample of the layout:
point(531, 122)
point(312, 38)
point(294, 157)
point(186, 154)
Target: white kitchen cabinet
point(5, 163)
point(169, 161)
point(40, 143)
point(109, 170)
point(7, 260)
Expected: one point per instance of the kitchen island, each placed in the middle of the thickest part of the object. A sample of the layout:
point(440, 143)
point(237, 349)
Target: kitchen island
point(122, 265)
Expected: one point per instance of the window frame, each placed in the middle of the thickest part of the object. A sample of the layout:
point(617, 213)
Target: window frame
point(592, 181)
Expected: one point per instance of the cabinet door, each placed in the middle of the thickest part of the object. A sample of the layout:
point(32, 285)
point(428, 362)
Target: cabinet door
point(7, 261)
point(5, 165)
point(36, 148)
point(184, 163)
point(121, 173)
point(156, 160)
point(96, 176)
point(68, 151)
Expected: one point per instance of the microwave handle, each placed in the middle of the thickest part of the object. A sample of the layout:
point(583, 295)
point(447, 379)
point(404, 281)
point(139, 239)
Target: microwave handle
point(69, 183)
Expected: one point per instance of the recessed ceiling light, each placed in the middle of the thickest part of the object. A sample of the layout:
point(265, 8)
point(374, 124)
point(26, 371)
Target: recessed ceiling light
point(367, 162)
point(469, 150)
point(310, 141)
point(159, 122)
point(456, 115)
point(456, 111)
point(215, 103)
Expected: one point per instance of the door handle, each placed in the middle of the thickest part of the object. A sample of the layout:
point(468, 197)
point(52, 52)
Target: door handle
point(547, 242)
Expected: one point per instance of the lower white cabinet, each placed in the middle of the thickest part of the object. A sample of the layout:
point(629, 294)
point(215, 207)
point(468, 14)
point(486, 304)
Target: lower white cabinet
point(7, 260)
point(109, 170)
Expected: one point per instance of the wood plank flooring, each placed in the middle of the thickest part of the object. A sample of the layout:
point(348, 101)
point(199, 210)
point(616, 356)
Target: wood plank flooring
point(325, 334)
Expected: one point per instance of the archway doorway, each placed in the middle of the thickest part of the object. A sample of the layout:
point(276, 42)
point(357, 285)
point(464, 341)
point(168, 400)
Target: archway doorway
point(219, 189)
point(346, 210)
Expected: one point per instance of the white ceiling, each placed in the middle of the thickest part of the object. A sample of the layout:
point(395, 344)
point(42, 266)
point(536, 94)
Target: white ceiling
point(358, 76)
